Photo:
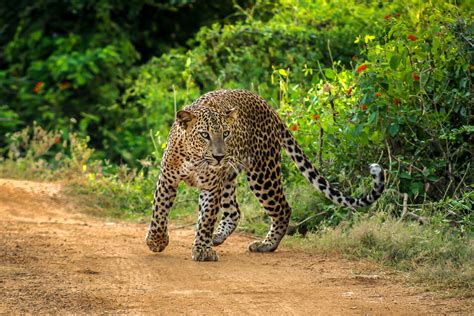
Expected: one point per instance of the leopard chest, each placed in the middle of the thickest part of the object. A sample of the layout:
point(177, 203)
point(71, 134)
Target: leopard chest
point(204, 178)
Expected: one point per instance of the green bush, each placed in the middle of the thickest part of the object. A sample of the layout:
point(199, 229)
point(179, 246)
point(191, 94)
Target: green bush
point(372, 78)
point(64, 64)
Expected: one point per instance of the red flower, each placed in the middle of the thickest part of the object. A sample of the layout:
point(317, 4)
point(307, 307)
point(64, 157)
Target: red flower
point(38, 87)
point(378, 94)
point(396, 101)
point(315, 117)
point(412, 37)
point(294, 127)
point(387, 16)
point(363, 107)
point(361, 68)
point(415, 76)
point(397, 14)
point(349, 91)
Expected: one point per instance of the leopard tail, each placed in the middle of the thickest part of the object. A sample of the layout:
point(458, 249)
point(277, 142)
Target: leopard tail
point(319, 182)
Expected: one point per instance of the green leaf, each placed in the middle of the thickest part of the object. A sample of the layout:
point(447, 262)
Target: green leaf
point(364, 99)
point(393, 129)
point(394, 61)
point(329, 73)
point(412, 118)
point(357, 130)
point(373, 117)
point(405, 175)
point(416, 187)
point(364, 138)
point(282, 72)
point(435, 47)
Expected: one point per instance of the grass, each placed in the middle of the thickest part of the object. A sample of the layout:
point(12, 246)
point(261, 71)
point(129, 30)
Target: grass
point(432, 255)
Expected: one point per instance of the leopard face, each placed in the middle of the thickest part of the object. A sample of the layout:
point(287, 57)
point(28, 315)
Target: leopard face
point(207, 135)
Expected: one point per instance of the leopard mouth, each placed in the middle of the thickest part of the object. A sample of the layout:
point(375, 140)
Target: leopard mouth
point(216, 164)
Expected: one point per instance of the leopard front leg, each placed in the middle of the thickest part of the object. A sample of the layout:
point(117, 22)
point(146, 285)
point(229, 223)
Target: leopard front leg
point(157, 237)
point(208, 207)
point(230, 211)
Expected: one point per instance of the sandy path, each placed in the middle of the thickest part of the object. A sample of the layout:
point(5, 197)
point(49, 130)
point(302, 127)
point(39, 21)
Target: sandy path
point(54, 259)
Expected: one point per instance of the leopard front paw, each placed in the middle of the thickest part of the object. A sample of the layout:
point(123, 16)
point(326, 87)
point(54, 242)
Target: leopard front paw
point(262, 246)
point(204, 254)
point(157, 243)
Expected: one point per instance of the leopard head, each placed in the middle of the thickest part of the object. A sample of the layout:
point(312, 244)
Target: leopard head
point(207, 133)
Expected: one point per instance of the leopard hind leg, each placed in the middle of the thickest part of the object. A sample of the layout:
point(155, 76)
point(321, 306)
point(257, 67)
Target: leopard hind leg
point(267, 187)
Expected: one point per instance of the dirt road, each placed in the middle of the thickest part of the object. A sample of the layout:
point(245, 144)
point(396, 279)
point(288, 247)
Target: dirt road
point(55, 259)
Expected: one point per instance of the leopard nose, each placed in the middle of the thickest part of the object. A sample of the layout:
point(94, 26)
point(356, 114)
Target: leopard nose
point(218, 157)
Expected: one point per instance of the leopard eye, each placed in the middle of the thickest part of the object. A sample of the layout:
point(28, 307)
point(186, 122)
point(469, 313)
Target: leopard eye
point(205, 135)
point(226, 133)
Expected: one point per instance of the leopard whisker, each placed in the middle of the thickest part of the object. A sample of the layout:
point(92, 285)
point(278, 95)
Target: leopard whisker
point(233, 166)
point(238, 165)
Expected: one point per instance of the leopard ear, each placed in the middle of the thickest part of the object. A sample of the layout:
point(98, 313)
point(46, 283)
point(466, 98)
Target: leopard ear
point(185, 119)
point(232, 114)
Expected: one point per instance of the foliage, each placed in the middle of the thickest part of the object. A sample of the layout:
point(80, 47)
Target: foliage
point(403, 100)
point(408, 94)
point(424, 105)
point(64, 63)
point(243, 54)
point(35, 153)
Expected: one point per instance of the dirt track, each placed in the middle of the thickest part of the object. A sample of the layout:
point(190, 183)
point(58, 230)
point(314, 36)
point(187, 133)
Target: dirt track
point(55, 259)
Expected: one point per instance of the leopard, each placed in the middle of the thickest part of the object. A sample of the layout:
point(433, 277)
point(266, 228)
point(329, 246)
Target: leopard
point(213, 140)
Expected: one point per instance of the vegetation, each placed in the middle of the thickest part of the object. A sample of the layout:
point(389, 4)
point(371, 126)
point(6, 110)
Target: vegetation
point(429, 253)
point(89, 97)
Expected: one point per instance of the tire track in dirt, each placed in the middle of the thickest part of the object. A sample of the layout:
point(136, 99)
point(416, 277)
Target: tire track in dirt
point(55, 259)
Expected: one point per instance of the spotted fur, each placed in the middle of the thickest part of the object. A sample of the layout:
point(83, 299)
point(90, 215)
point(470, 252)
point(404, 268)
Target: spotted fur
point(212, 140)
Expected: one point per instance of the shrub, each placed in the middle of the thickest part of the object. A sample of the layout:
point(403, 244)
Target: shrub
point(64, 64)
